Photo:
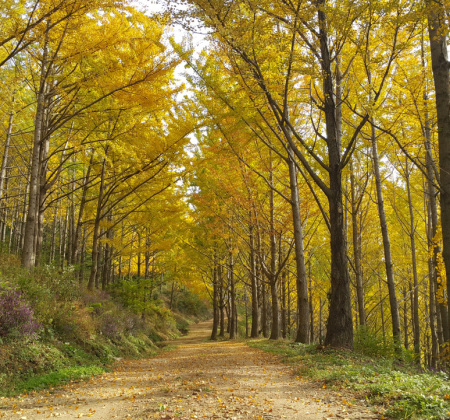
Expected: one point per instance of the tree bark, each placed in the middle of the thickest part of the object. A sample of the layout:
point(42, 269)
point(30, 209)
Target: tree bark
point(215, 303)
point(96, 234)
point(28, 252)
point(233, 314)
point(273, 275)
point(356, 236)
point(396, 333)
point(437, 29)
point(340, 322)
point(254, 285)
point(302, 335)
point(81, 206)
point(416, 320)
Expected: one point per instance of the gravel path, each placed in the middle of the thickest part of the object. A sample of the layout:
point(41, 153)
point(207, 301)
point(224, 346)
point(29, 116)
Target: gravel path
point(197, 380)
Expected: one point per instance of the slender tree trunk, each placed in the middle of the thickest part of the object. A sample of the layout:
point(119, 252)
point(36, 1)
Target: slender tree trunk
point(39, 229)
point(416, 320)
point(28, 252)
point(3, 172)
point(311, 308)
point(221, 300)
point(233, 315)
point(264, 317)
point(81, 207)
point(396, 333)
point(289, 317)
point(82, 258)
point(433, 321)
point(273, 277)
point(284, 322)
point(64, 240)
point(383, 323)
point(215, 302)
point(254, 285)
point(96, 234)
point(302, 335)
point(139, 255)
point(405, 318)
point(130, 259)
point(356, 236)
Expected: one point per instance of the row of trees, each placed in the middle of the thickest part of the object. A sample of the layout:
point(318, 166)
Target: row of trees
point(325, 157)
point(92, 138)
point(314, 197)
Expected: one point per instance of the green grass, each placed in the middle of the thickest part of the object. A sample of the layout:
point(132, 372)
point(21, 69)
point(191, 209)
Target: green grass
point(54, 379)
point(83, 331)
point(405, 391)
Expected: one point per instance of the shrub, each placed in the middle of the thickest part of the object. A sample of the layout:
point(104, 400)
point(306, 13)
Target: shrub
point(16, 317)
point(110, 325)
point(74, 324)
point(372, 344)
point(186, 302)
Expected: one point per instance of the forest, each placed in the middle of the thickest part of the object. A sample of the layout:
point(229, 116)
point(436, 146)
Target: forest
point(287, 161)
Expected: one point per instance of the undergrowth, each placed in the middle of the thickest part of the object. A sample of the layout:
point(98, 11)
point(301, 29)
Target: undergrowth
point(402, 389)
point(52, 330)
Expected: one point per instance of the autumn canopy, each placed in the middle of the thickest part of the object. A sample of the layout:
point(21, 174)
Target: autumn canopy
point(293, 167)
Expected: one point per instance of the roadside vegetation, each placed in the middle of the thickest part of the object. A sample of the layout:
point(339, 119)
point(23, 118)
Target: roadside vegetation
point(372, 372)
point(53, 331)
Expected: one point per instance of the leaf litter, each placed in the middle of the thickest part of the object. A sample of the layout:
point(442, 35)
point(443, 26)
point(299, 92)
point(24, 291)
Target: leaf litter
point(199, 379)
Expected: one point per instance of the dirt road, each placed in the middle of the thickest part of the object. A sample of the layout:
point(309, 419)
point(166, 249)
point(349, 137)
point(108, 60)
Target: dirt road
point(197, 380)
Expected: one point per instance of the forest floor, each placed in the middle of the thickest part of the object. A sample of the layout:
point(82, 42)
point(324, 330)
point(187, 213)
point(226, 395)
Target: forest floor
point(197, 379)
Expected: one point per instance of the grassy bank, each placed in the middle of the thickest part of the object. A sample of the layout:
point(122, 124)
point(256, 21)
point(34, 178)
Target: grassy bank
point(52, 330)
point(402, 389)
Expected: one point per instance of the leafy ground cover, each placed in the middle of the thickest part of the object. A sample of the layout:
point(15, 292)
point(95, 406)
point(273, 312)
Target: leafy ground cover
point(53, 331)
point(402, 389)
point(197, 379)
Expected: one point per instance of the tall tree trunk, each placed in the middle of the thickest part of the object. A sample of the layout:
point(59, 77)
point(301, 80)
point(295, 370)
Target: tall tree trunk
point(39, 229)
point(264, 315)
point(254, 284)
point(3, 172)
point(442, 331)
point(273, 275)
point(416, 320)
point(28, 252)
point(340, 319)
point(356, 236)
point(405, 318)
point(81, 206)
point(215, 302)
point(302, 335)
point(311, 308)
point(437, 29)
point(396, 333)
point(222, 302)
point(383, 322)
point(96, 234)
point(284, 321)
point(233, 314)
point(139, 254)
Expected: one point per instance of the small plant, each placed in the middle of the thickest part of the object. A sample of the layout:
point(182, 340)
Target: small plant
point(370, 344)
point(17, 317)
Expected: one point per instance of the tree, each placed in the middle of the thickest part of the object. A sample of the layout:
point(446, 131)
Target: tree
point(438, 30)
point(264, 43)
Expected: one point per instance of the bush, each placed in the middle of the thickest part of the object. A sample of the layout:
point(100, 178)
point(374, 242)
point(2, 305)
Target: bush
point(186, 302)
point(74, 323)
point(371, 344)
point(16, 317)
